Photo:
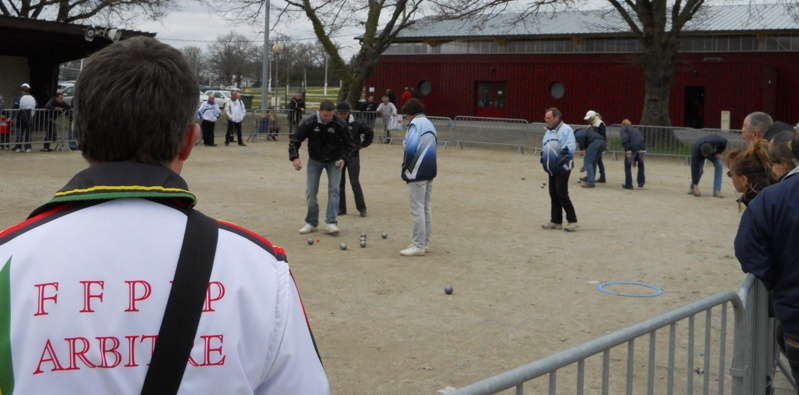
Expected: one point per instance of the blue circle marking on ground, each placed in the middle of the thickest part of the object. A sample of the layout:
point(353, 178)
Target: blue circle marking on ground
point(657, 290)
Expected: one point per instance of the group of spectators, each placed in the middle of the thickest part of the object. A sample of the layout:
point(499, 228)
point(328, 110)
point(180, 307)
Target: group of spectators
point(22, 120)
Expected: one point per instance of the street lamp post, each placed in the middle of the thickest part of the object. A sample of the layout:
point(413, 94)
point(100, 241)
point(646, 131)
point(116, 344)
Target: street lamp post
point(277, 49)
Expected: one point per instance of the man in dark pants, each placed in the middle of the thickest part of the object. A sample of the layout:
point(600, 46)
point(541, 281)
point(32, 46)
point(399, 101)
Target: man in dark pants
point(57, 106)
point(557, 157)
point(353, 166)
point(296, 109)
point(634, 150)
point(209, 113)
point(235, 113)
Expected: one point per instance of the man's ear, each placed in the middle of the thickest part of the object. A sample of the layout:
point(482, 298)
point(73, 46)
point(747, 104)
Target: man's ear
point(190, 139)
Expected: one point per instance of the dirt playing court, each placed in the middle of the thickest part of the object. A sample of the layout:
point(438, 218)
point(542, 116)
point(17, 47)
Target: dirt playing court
point(383, 323)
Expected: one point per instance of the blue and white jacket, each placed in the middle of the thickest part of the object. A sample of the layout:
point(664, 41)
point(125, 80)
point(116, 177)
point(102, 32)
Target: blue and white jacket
point(421, 141)
point(557, 149)
point(209, 111)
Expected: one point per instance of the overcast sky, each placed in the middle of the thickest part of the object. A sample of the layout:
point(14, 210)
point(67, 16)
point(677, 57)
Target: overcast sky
point(197, 25)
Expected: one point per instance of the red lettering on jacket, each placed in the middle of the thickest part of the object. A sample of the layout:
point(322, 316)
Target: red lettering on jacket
point(153, 339)
point(51, 357)
point(74, 354)
point(88, 295)
point(132, 354)
point(209, 349)
point(220, 293)
point(105, 350)
point(132, 295)
point(41, 297)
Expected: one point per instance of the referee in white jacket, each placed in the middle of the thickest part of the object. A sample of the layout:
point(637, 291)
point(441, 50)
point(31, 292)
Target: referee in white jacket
point(209, 113)
point(235, 113)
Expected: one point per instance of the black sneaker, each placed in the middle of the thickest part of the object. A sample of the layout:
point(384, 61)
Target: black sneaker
point(601, 180)
point(242, 144)
point(363, 213)
point(626, 187)
point(583, 179)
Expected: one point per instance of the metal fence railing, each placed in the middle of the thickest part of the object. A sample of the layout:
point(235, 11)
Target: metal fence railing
point(41, 129)
point(641, 369)
point(459, 132)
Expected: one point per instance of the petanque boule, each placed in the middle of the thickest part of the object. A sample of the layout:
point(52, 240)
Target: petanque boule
point(522, 178)
point(385, 235)
point(448, 289)
point(310, 242)
point(363, 235)
point(363, 243)
point(343, 246)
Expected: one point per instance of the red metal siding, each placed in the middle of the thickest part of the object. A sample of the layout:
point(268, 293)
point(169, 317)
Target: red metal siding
point(611, 84)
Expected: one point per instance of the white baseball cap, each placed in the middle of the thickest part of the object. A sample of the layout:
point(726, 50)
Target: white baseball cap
point(25, 86)
point(589, 115)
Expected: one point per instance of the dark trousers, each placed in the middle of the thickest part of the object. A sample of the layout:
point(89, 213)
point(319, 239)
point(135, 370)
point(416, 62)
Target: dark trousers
point(353, 168)
point(601, 166)
point(638, 158)
point(4, 140)
point(208, 132)
point(52, 134)
point(231, 128)
point(559, 196)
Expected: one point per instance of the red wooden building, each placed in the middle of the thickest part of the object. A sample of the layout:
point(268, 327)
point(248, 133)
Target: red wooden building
point(733, 60)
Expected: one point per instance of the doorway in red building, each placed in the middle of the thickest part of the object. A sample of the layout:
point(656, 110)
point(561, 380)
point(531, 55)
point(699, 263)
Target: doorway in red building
point(695, 107)
point(491, 99)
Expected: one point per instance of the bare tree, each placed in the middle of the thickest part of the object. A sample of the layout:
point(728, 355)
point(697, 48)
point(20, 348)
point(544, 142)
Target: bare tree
point(119, 11)
point(228, 56)
point(329, 18)
point(197, 59)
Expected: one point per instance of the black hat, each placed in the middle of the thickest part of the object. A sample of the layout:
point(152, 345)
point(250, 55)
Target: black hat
point(342, 107)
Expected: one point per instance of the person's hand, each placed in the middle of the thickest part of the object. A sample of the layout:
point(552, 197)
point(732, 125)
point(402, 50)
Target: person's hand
point(564, 151)
point(582, 153)
point(582, 169)
point(297, 164)
point(717, 156)
point(696, 191)
point(629, 154)
point(339, 163)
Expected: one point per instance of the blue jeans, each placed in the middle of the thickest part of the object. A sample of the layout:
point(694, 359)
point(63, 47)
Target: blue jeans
point(591, 156)
point(719, 169)
point(314, 173)
point(637, 157)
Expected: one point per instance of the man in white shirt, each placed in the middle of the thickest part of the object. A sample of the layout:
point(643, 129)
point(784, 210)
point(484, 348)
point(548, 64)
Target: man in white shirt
point(27, 108)
point(387, 110)
point(235, 113)
point(208, 114)
point(84, 318)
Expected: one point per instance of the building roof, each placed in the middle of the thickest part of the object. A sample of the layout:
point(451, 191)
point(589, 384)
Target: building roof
point(710, 19)
point(53, 40)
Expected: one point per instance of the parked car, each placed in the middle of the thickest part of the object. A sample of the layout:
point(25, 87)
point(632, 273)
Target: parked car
point(221, 97)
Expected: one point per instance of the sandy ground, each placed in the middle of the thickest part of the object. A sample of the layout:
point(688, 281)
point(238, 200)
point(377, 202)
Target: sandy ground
point(383, 323)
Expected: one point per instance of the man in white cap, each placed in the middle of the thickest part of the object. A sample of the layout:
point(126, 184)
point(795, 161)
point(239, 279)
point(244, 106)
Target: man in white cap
point(26, 106)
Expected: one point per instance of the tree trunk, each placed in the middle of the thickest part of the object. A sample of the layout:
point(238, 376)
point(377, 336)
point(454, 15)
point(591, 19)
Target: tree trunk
point(659, 63)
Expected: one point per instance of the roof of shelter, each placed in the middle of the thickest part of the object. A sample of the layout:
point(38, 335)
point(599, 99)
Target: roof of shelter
point(55, 40)
point(710, 19)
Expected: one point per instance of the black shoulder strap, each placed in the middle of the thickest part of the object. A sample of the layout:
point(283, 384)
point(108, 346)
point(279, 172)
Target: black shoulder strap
point(184, 307)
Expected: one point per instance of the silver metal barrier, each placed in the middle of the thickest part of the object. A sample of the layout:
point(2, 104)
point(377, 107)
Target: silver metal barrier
point(49, 128)
point(270, 124)
point(492, 131)
point(752, 365)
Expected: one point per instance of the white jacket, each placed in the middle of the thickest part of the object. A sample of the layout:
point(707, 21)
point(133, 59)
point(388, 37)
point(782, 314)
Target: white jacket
point(209, 111)
point(235, 111)
point(88, 279)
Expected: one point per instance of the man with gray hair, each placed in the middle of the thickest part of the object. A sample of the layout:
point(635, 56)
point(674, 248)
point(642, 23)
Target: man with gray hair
point(755, 126)
point(83, 315)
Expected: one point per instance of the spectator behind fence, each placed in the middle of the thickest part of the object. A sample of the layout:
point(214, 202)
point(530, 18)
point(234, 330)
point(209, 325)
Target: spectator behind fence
point(5, 131)
point(368, 109)
point(779, 151)
point(634, 145)
point(82, 319)
point(591, 145)
point(362, 136)
point(330, 146)
point(557, 158)
point(755, 126)
point(387, 111)
point(596, 124)
point(296, 110)
point(766, 247)
point(750, 170)
point(26, 104)
point(419, 168)
point(56, 107)
point(708, 147)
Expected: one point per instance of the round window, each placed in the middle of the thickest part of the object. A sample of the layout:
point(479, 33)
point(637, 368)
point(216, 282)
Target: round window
point(425, 88)
point(557, 90)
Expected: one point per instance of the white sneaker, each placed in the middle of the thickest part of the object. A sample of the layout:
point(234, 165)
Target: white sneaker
point(308, 228)
point(28, 150)
point(426, 248)
point(331, 229)
point(18, 150)
point(412, 250)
